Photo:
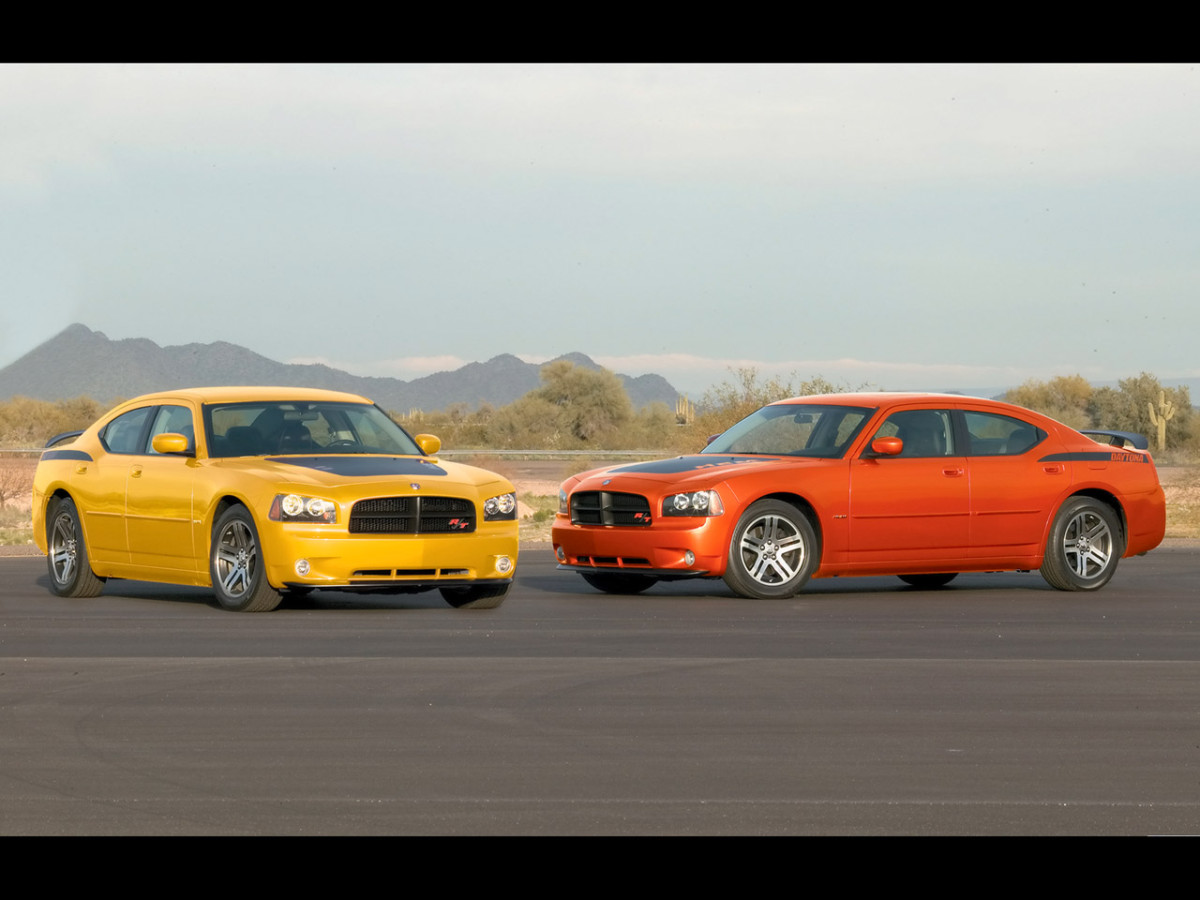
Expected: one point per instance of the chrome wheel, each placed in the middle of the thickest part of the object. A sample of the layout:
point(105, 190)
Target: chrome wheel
point(67, 559)
point(773, 551)
point(236, 565)
point(64, 549)
point(237, 559)
point(1085, 545)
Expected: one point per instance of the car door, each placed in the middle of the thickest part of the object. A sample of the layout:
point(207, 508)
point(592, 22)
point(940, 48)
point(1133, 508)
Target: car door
point(1012, 490)
point(158, 497)
point(912, 506)
point(100, 484)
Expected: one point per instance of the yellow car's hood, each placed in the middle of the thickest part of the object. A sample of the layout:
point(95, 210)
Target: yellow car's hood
point(333, 470)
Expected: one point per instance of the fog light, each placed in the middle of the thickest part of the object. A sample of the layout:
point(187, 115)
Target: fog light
point(302, 567)
point(561, 554)
point(689, 558)
point(503, 564)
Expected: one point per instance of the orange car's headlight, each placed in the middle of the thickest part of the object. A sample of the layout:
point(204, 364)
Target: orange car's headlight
point(295, 508)
point(694, 503)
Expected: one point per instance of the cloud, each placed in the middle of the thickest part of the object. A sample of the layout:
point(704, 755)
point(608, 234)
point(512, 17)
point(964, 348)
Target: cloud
point(406, 368)
point(872, 122)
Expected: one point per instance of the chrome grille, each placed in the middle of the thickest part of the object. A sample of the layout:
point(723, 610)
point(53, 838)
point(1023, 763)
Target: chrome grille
point(412, 515)
point(609, 508)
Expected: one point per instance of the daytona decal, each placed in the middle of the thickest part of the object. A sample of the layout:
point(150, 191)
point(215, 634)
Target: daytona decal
point(66, 454)
point(1103, 456)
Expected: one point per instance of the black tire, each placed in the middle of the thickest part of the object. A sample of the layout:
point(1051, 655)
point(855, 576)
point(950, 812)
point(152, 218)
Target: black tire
point(1084, 547)
point(619, 582)
point(67, 558)
point(773, 551)
point(481, 596)
point(928, 582)
point(236, 565)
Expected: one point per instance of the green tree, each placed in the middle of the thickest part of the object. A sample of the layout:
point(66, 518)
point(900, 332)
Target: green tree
point(1127, 408)
point(733, 400)
point(1067, 398)
point(591, 403)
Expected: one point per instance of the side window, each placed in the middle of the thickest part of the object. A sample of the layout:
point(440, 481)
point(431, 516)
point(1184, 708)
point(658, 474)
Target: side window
point(124, 433)
point(925, 432)
point(996, 435)
point(173, 420)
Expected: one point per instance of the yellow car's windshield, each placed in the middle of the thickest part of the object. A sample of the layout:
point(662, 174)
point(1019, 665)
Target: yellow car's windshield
point(267, 428)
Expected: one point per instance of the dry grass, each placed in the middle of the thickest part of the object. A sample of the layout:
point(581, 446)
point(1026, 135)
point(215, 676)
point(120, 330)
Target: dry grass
point(1182, 487)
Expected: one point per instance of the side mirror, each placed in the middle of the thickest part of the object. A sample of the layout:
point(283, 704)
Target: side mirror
point(887, 446)
point(170, 442)
point(429, 443)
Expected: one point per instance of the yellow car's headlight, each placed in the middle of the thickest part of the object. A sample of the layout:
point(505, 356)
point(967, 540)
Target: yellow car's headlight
point(500, 508)
point(296, 508)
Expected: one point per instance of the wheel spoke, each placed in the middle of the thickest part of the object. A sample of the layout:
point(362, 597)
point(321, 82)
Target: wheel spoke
point(782, 569)
point(64, 564)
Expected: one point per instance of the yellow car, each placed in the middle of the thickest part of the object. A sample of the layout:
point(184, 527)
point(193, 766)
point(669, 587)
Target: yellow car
point(261, 491)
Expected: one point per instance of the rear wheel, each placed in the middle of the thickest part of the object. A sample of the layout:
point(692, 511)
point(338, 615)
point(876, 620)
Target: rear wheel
point(773, 551)
point(618, 582)
point(236, 565)
point(67, 559)
point(1084, 547)
point(481, 596)
point(925, 582)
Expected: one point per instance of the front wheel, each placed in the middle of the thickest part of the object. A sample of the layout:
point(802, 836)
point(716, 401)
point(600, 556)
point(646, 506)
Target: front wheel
point(479, 596)
point(236, 565)
point(773, 551)
point(618, 582)
point(67, 559)
point(1084, 547)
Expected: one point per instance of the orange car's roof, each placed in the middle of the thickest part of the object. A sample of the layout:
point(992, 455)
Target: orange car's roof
point(881, 398)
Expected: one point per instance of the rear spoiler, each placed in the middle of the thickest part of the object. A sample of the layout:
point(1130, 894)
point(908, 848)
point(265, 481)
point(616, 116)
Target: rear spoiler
point(63, 438)
point(1118, 438)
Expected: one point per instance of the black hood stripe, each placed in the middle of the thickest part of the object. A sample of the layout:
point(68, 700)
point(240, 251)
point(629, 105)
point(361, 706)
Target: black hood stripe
point(363, 466)
point(687, 464)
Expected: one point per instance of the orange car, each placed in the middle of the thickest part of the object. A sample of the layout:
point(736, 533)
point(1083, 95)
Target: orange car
point(922, 486)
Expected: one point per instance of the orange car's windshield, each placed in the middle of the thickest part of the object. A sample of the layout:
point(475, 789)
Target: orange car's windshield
point(265, 428)
point(794, 429)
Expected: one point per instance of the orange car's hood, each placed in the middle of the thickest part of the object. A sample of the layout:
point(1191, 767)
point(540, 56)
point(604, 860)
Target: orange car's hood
point(700, 470)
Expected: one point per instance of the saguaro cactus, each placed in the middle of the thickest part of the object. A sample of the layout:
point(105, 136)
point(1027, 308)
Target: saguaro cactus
point(685, 410)
point(1166, 409)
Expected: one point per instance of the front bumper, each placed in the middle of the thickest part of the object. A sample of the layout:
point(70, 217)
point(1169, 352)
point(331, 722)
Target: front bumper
point(304, 556)
point(661, 550)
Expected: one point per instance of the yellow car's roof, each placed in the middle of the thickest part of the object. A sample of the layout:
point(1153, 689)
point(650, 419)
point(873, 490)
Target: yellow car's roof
point(243, 393)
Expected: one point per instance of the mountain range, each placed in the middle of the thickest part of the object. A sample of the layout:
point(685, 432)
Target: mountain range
point(80, 362)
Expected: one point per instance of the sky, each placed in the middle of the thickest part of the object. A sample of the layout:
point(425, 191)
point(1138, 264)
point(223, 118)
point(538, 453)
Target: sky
point(902, 226)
